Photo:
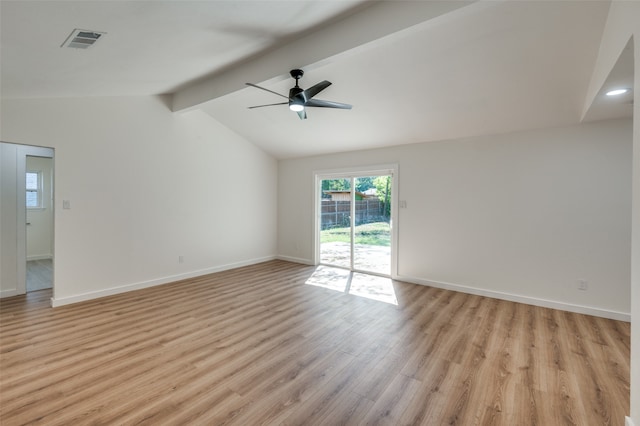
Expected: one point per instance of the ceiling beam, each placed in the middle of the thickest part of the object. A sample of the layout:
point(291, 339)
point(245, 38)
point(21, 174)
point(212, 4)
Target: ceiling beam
point(380, 19)
point(618, 32)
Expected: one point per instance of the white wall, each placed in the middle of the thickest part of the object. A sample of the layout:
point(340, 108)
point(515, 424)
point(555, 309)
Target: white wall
point(8, 219)
point(521, 216)
point(622, 25)
point(40, 220)
point(146, 186)
point(635, 244)
point(635, 259)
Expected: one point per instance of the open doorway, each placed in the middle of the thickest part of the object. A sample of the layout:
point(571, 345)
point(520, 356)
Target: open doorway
point(16, 195)
point(39, 223)
point(354, 221)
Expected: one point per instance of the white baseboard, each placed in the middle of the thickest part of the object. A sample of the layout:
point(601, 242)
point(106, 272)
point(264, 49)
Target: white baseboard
point(295, 260)
point(587, 310)
point(8, 293)
point(39, 257)
point(580, 309)
point(628, 421)
point(55, 302)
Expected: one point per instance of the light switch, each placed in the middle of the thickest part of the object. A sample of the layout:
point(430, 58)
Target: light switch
point(66, 204)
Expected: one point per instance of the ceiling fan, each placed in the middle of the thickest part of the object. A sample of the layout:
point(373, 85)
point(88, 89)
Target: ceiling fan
point(300, 98)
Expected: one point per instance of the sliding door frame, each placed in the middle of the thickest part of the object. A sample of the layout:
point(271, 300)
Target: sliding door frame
point(352, 173)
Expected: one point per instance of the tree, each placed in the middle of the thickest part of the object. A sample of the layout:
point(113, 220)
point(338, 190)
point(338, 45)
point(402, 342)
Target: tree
point(383, 189)
point(364, 183)
point(335, 185)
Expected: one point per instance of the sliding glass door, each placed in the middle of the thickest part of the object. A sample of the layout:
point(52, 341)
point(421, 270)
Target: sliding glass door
point(355, 222)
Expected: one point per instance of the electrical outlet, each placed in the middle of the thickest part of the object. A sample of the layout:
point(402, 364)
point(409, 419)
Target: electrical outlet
point(583, 285)
point(180, 259)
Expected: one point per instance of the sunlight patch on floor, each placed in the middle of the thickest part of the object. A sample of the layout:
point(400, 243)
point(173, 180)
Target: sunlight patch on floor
point(373, 287)
point(358, 284)
point(331, 278)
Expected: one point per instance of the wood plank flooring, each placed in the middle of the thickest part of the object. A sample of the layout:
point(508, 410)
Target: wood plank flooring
point(257, 345)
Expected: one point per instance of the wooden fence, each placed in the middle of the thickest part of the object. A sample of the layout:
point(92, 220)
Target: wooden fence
point(338, 213)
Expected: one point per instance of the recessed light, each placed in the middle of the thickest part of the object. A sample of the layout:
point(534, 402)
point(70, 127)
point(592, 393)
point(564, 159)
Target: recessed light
point(617, 92)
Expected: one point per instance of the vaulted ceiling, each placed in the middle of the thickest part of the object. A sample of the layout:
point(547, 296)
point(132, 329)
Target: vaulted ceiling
point(414, 71)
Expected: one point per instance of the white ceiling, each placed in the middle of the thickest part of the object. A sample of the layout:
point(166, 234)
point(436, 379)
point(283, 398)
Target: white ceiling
point(151, 47)
point(621, 77)
point(444, 70)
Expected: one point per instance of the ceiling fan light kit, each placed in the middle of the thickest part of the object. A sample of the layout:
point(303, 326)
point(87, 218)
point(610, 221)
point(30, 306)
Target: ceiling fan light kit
point(300, 98)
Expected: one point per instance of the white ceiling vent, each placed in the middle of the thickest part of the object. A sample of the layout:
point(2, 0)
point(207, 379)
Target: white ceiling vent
point(82, 39)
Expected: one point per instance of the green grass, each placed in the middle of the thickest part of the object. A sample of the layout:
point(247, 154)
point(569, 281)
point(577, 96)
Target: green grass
point(373, 234)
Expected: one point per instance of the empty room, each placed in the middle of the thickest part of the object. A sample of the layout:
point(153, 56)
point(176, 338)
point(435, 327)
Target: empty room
point(311, 212)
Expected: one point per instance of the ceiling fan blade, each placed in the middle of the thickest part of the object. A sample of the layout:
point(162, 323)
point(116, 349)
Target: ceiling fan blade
point(326, 104)
point(314, 90)
point(302, 114)
point(260, 106)
point(270, 91)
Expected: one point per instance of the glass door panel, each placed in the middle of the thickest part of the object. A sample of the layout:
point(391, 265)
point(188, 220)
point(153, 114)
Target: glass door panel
point(335, 222)
point(372, 230)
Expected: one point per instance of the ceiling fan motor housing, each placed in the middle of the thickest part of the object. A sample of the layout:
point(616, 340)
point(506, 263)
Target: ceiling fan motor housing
point(297, 93)
point(297, 73)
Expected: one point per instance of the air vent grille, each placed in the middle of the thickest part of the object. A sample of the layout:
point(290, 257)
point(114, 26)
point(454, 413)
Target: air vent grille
point(82, 39)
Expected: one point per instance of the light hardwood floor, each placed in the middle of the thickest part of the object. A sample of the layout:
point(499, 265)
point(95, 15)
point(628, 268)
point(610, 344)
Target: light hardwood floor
point(257, 345)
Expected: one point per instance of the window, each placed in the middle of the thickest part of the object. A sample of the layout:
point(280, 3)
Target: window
point(34, 190)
